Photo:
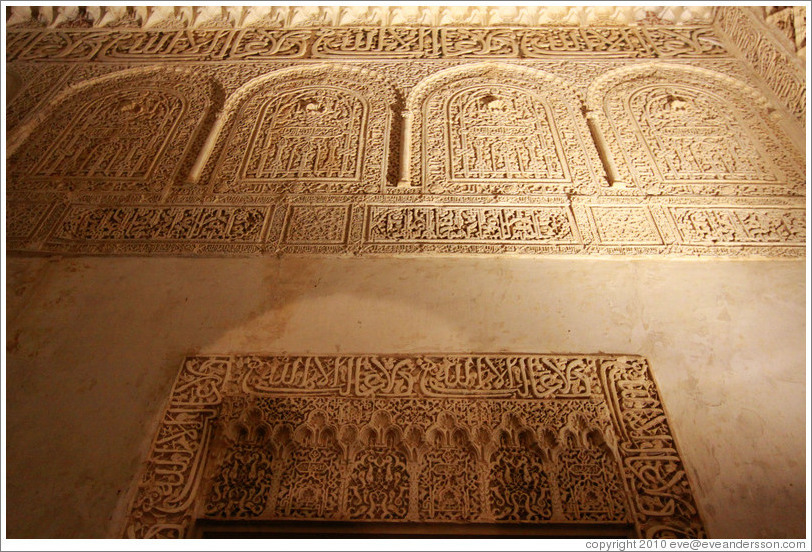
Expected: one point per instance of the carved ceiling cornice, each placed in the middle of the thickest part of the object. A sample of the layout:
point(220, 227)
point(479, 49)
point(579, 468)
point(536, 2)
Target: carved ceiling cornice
point(180, 17)
point(788, 23)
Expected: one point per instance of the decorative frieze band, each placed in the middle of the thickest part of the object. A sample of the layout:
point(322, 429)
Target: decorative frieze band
point(390, 224)
point(286, 17)
point(522, 224)
point(179, 229)
point(484, 438)
point(358, 42)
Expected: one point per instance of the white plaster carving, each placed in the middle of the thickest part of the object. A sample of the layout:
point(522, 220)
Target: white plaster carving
point(501, 129)
point(431, 438)
point(253, 44)
point(126, 132)
point(678, 130)
point(309, 16)
point(577, 148)
point(305, 129)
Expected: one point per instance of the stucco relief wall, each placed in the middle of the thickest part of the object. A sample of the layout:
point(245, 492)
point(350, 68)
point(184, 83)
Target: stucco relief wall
point(364, 152)
point(344, 190)
point(95, 346)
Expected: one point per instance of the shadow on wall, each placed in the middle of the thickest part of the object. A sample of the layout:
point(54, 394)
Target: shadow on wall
point(97, 344)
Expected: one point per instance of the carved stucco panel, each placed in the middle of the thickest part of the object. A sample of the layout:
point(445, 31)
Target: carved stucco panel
point(431, 438)
point(499, 128)
point(304, 130)
point(681, 130)
point(517, 208)
point(160, 229)
point(126, 132)
point(317, 224)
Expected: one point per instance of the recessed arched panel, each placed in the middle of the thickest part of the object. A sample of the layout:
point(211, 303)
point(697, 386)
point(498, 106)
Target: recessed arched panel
point(502, 132)
point(675, 130)
point(310, 133)
point(314, 129)
point(487, 128)
point(122, 133)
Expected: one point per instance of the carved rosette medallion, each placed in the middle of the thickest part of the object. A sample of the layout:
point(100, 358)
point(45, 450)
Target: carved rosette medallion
point(530, 439)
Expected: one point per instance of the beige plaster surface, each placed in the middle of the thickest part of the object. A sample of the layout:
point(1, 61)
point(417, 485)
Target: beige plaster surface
point(94, 344)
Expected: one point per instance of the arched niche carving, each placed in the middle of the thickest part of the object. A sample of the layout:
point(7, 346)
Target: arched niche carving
point(683, 130)
point(244, 454)
point(499, 128)
point(125, 132)
point(519, 479)
point(304, 129)
point(449, 484)
point(521, 438)
point(310, 481)
point(588, 479)
point(379, 480)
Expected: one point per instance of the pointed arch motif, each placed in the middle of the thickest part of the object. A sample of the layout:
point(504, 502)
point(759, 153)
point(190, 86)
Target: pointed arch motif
point(496, 127)
point(310, 129)
point(450, 485)
point(684, 130)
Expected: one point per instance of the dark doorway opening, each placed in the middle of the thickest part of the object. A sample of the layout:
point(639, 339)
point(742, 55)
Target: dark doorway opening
point(211, 529)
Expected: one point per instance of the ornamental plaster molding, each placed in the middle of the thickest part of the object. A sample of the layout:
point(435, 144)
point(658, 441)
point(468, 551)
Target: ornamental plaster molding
point(432, 438)
point(646, 139)
point(284, 17)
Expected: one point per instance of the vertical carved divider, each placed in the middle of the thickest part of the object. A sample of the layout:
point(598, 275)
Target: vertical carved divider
point(652, 466)
point(405, 150)
point(163, 503)
point(604, 152)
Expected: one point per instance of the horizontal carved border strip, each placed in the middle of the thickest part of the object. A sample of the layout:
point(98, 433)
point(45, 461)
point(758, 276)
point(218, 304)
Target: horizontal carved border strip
point(387, 224)
point(359, 42)
point(248, 436)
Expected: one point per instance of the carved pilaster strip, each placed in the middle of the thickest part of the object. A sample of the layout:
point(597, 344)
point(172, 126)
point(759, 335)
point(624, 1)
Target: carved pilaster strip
point(163, 503)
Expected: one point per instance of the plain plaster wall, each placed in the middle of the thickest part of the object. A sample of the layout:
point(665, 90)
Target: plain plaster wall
point(95, 343)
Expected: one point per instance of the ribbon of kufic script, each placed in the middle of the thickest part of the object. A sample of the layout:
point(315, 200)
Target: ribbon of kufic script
point(359, 42)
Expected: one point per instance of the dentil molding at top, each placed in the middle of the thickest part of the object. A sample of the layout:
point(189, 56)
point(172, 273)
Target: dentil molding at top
point(284, 17)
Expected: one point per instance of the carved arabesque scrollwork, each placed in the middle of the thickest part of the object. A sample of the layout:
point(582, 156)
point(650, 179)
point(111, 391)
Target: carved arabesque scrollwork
point(322, 128)
point(683, 130)
point(433, 438)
